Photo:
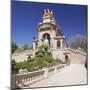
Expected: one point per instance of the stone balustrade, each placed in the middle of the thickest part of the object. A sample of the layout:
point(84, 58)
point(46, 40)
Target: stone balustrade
point(23, 52)
point(23, 80)
point(77, 51)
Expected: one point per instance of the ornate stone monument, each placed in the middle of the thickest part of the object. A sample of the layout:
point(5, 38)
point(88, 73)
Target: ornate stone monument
point(50, 27)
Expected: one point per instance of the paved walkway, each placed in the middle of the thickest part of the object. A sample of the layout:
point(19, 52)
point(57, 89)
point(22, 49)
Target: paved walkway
point(74, 74)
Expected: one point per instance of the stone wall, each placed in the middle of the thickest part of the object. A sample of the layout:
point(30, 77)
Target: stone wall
point(75, 56)
point(22, 56)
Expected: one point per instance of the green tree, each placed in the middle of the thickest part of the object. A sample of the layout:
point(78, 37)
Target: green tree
point(43, 58)
point(78, 41)
point(14, 46)
point(25, 47)
point(43, 51)
point(14, 67)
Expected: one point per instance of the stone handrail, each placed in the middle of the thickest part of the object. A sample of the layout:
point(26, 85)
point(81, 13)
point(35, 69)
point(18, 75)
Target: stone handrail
point(23, 80)
point(20, 53)
point(77, 51)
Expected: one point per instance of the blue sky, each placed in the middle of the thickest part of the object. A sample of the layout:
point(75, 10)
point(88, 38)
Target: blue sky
point(26, 15)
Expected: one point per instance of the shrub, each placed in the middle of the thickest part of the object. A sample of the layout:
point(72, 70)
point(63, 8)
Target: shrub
point(42, 59)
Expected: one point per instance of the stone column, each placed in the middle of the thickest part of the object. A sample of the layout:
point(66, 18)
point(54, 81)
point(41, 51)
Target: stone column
point(40, 42)
point(51, 44)
point(61, 43)
point(39, 39)
point(46, 73)
point(34, 46)
point(54, 44)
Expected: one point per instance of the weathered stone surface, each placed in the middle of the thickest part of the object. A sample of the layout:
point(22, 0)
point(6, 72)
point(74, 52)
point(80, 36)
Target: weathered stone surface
point(75, 74)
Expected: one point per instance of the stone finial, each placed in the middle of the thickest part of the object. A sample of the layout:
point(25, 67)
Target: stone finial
point(51, 12)
point(47, 12)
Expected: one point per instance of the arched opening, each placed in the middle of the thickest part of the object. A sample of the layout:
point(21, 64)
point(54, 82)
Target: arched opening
point(67, 61)
point(58, 44)
point(66, 57)
point(36, 45)
point(46, 39)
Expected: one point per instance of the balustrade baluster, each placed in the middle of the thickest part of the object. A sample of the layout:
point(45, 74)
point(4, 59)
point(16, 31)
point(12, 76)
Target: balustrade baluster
point(25, 78)
point(22, 79)
point(35, 76)
point(29, 77)
point(19, 80)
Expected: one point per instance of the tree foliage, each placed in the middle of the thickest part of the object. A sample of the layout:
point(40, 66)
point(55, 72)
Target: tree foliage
point(14, 67)
point(25, 47)
point(43, 58)
point(79, 41)
point(14, 46)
